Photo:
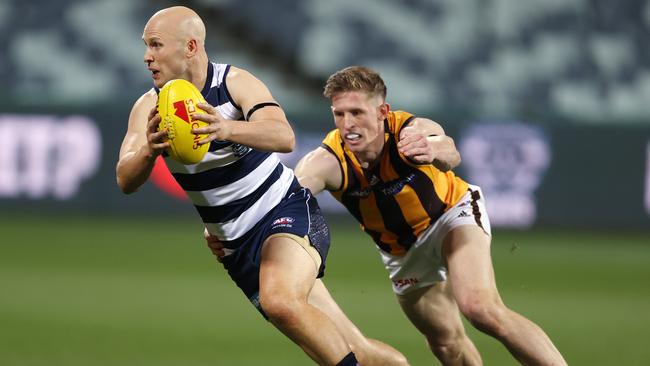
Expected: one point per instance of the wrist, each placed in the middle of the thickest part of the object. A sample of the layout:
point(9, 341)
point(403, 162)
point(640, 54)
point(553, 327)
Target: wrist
point(149, 154)
point(226, 130)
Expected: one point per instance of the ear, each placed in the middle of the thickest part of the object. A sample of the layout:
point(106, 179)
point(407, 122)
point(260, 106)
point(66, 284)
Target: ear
point(384, 109)
point(191, 48)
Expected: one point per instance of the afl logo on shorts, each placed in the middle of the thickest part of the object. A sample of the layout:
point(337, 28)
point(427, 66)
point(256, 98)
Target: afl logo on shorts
point(283, 222)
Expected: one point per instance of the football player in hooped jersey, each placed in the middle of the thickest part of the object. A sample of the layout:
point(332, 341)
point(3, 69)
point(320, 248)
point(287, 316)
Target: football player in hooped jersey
point(392, 171)
point(275, 236)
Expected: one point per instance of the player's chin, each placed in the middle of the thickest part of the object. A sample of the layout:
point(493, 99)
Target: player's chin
point(159, 80)
point(159, 83)
point(355, 148)
point(355, 145)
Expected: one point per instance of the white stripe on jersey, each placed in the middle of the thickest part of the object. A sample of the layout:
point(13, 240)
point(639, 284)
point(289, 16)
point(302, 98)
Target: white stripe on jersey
point(237, 189)
point(217, 74)
point(211, 160)
point(237, 227)
point(222, 159)
point(227, 110)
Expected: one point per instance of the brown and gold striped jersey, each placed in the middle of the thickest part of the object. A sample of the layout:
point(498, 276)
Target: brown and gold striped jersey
point(396, 200)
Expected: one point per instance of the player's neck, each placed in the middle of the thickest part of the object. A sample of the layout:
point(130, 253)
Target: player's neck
point(199, 72)
point(370, 157)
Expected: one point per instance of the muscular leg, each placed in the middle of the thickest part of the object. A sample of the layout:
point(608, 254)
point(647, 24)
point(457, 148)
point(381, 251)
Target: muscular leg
point(369, 352)
point(287, 274)
point(434, 313)
point(467, 252)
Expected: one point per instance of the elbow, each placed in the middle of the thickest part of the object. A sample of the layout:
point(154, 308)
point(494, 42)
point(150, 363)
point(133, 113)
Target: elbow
point(288, 144)
point(445, 165)
point(129, 176)
point(128, 190)
point(291, 144)
point(125, 187)
point(452, 163)
point(455, 162)
point(457, 159)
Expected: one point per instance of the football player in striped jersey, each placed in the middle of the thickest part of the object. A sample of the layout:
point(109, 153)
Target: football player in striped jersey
point(393, 173)
point(276, 238)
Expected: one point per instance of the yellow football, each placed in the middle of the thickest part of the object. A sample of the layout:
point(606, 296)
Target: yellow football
point(177, 103)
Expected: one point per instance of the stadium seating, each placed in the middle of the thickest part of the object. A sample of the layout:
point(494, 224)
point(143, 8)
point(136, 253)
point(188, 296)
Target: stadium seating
point(575, 60)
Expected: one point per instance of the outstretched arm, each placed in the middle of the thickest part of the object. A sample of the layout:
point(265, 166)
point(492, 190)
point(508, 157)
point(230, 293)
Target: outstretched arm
point(267, 128)
point(142, 144)
point(424, 141)
point(319, 170)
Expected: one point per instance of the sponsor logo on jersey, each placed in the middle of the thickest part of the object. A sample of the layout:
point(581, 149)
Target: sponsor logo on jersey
point(463, 214)
point(387, 189)
point(405, 282)
point(394, 187)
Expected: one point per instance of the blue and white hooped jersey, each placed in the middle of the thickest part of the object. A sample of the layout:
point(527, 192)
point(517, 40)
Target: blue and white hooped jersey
point(234, 186)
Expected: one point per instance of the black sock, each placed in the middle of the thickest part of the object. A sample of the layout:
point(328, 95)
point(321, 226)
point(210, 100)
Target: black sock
point(348, 360)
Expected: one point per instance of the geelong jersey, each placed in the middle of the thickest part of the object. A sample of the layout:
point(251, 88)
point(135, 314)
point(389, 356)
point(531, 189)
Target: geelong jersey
point(397, 199)
point(234, 186)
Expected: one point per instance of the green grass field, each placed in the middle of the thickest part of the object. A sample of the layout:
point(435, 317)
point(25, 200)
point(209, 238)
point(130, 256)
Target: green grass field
point(106, 291)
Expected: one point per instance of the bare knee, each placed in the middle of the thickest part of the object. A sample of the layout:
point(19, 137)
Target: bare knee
point(486, 315)
point(447, 348)
point(279, 310)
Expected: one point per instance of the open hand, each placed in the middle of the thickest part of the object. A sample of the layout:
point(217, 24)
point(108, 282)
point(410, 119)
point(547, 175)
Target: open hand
point(218, 128)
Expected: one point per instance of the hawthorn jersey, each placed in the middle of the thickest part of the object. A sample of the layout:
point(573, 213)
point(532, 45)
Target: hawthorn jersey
point(397, 199)
point(234, 186)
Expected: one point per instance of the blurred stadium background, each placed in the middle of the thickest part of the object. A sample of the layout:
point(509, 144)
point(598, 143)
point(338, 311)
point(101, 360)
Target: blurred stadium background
point(548, 101)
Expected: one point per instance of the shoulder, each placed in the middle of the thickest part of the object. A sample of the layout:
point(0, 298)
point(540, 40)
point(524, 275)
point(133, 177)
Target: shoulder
point(246, 89)
point(144, 104)
point(332, 141)
point(237, 76)
point(147, 100)
point(324, 156)
point(320, 169)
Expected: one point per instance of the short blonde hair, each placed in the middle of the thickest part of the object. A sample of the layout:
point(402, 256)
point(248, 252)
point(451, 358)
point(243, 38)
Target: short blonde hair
point(355, 78)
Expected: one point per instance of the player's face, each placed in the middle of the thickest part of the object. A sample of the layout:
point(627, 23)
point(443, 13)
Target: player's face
point(164, 55)
point(360, 120)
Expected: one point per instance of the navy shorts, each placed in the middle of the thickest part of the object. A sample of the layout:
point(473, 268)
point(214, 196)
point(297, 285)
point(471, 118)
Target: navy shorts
point(298, 213)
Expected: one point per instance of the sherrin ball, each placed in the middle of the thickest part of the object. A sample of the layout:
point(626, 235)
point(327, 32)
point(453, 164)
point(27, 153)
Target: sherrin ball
point(177, 103)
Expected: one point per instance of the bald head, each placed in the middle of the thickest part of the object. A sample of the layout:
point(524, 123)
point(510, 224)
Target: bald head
point(178, 22)
point(175, 46)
